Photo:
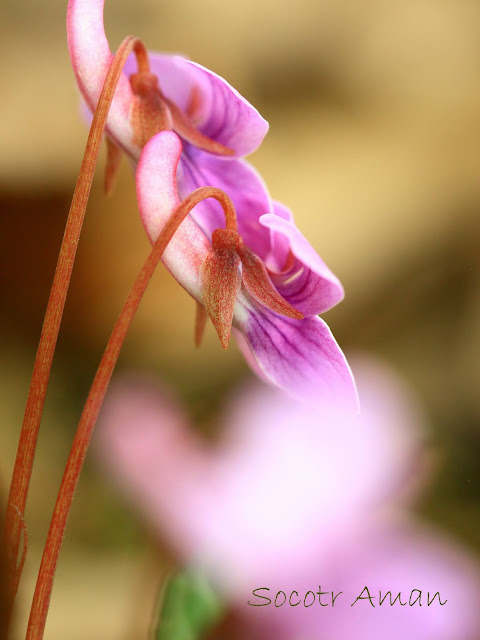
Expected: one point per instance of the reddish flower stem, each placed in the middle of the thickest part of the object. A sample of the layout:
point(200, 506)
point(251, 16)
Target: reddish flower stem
point(14, 520)
point(43, 590)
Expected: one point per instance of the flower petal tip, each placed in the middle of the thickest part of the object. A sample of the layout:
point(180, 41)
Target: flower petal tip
point(302, 358)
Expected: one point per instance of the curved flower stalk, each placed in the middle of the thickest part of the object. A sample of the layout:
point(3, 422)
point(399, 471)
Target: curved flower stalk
point(14, 521)
point(86, 425)
point(273, 302)
point(216, 124)
point(297, 498)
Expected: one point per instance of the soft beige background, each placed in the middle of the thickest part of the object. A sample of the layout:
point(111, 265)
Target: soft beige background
point(375, 144)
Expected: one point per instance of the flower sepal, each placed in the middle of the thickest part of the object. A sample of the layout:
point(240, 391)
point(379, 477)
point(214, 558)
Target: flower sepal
point(149, 114)
point(259, 285)
point(152, 111)
point(221, 280)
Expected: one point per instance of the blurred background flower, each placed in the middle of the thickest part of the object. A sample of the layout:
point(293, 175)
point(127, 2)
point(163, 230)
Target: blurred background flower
point(396, 561)
point(374, 144)
point(294, 496)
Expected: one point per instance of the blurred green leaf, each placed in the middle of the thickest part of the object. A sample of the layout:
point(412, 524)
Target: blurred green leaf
point(190, 607)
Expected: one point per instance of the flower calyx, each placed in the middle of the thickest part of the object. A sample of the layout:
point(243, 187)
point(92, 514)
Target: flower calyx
point(152, 112)
point(222, 279)
point(149, 113)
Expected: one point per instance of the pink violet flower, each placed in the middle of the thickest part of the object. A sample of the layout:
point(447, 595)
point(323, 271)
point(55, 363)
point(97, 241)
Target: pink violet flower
point(289, 352)
point(294, 497)
point(217, 125)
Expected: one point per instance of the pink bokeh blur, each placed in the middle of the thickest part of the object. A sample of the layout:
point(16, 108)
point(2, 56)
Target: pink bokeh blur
point(297, 495)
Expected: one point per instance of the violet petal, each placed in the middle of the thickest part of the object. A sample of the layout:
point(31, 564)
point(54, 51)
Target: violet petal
point(308, 285)
point(299, 356)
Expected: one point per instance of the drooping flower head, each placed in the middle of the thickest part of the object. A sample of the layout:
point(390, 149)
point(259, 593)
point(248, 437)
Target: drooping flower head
point(168, 92)
point(262, 275)
point(237, 279)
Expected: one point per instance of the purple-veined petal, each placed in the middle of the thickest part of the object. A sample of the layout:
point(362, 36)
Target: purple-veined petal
point(279, 243)
point(231, 120)
point(308, 284)
point(296, 355)
point(219, 111)
point(91, 58)
point(158, 199)
point(242, 183)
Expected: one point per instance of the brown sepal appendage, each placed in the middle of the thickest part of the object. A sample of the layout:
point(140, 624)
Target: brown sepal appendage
point(221, 278)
